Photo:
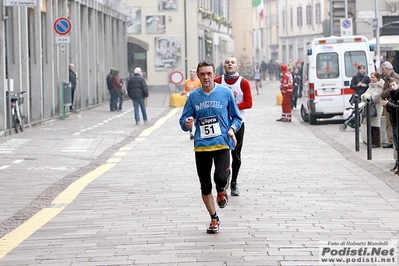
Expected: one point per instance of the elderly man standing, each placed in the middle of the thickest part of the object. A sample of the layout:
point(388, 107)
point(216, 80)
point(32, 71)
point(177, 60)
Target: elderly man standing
point(137, 90)
point(73, 77)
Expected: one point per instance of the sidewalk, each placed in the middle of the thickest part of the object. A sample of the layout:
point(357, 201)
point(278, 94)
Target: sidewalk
point(136, 199)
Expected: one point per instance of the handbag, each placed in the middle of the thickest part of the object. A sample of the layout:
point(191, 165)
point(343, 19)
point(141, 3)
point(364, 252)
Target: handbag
point(122, 90)
point(373, 112)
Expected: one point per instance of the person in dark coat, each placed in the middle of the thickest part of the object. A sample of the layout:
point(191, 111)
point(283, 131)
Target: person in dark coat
point(138, 91)
point(109, 86)
point(73, 77)
point(263, 66)
point(359, 83)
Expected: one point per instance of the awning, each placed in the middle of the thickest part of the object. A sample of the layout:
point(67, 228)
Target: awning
point(387, 43)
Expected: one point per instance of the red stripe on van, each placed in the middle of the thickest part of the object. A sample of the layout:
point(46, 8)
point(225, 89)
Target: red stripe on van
point(347, 91)
point(344, 91)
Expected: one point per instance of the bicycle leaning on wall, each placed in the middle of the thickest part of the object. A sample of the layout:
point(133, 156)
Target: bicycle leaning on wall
point(16, 111)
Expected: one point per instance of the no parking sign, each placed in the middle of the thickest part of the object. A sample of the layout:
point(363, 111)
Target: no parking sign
point(346, 27)
point(62, 26)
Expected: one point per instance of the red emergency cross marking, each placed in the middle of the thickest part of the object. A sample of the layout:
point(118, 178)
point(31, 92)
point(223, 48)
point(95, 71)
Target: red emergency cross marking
point(327, 69)
point(355, 65)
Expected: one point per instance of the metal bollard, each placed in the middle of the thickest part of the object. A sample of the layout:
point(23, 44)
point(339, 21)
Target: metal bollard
point(357, 124)
point(369, 140)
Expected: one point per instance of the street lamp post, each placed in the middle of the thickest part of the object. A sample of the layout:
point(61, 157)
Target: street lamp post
point(377, 35)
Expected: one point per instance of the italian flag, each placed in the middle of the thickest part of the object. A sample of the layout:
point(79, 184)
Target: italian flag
point(259, 7)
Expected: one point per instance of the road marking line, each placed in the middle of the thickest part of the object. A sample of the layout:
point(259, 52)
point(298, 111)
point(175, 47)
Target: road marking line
point(159, 123)
point(126, 148)
point(33, 224)
point(120, 153)
point(71, 192)
point(22, 232)
point(18, 161)
point(114, 160)
point(4, 167)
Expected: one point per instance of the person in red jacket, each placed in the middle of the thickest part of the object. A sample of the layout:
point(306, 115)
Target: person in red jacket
point(286, 87)
point(242, 93)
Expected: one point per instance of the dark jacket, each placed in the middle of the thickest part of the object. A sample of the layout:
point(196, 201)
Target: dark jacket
point(392, 106)
point(109, 81)
point(72, 79)
point(137, 87)
point(359, 90)
point(386, 93)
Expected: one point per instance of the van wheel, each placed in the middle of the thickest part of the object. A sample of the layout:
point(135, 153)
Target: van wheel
point(304, 115)
point(312, 119)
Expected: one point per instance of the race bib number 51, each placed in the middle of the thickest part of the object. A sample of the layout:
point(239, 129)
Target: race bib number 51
point(210, 127)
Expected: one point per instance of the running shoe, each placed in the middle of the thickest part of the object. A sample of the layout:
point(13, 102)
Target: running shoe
point(213, 227)
point(222, 199)
point(234, 189)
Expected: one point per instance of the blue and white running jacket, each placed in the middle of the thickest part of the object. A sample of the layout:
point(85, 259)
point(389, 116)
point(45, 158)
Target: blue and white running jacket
point(214, 114)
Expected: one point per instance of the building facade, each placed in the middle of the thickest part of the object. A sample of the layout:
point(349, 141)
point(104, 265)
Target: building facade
point(289, 25)
point(33, 61)
point(301, 22)
point(171, 36)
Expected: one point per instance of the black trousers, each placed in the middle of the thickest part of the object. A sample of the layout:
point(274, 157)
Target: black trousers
point(204, 161)
point(236, 154)
point(376, 136)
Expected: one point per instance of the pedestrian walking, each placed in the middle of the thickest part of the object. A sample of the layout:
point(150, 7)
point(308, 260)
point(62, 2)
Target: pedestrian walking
point(263, 66)
point(213, 109)
point(271, 70)
point(290, 66)
point(189, 85)
point(117, 91)
point(241, 89)
point(286, 88)
point(258, 77)
point(109, 86)
point(137, 90)
point(73, 77)
point(277, 69)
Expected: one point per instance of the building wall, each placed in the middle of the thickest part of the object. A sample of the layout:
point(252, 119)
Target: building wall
point(299, 27)
point(199, 27)
point(35, 62)
point(243, 35)
point(282, 38)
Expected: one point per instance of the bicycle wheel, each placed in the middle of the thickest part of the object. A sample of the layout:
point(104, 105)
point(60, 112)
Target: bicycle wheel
point(21, 127)
point(16, 122)
point(20, 121)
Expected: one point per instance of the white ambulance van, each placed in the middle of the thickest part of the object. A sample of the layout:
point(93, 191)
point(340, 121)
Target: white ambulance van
point(328, 69)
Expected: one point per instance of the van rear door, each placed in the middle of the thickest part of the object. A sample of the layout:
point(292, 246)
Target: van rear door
point(355, 54)
point(328, 81)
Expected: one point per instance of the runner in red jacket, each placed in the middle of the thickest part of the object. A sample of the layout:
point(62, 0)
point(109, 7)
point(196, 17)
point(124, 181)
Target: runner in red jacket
point(286, 88)
point(243, 96)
